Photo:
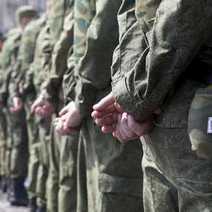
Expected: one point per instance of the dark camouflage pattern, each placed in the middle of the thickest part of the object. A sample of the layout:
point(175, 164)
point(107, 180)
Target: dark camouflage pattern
point(166, 43)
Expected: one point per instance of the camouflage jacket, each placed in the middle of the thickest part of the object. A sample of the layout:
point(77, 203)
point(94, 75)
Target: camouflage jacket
point(93, 68)
point(84, 12)
point(43, 51)
point(25, 58)
point(60, 21)
point(151, 64)
point(8, 59)
point(64, 37)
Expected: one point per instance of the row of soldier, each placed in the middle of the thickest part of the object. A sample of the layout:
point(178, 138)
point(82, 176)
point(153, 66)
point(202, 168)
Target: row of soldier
point(65, 135)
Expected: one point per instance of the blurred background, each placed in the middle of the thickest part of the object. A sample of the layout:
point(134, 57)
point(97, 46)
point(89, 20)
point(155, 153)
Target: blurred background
point(8, 8)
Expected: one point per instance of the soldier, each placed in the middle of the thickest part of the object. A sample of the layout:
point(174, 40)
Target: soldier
point(159, 89)
point(3, 133)
point(36, 76)
point(18, 145)
point(112, 169)
point(26, 94)
point(6, 56)
point(62, 172)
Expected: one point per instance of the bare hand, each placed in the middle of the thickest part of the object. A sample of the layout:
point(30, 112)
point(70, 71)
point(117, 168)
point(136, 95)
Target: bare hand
point(69, 120)
point(17, 105)
point(42, 107)
point(128, 129)
point(106, 112)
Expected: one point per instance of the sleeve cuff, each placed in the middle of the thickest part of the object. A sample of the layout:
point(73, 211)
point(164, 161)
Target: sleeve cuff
point(84, 99)
point(141, 109)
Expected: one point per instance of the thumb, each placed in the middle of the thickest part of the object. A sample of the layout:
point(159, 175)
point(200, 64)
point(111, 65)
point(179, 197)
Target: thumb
point(105, 102)
point(63, 111)
point(138, 128)
point(36, 104)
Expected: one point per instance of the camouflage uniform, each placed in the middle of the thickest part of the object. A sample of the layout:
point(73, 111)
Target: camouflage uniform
point(3, 139)
point(168, 41)
point(17, 121)
point(36, 76)
point(6, 57)
point(63, 150)
point(112, 169)
point(9, 55)
point(27, 94)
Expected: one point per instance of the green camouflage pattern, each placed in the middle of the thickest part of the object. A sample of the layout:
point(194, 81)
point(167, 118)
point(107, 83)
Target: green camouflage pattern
point(8, 56)
point(153, 94)
point(62, 173)
point(42, 58)
point(61, 187)
point(175, 179)
point(53, 84)
point(3, 142)
point(113, 173)
point(38, 72)
point(43, 155)
point(103, 182)
point(59, 9)
point(18, 142)
point(97, 56)
point(161, 75)
point(25, 59)
point(84, 12)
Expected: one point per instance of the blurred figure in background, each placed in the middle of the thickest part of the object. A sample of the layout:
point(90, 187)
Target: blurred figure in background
point(17, 143)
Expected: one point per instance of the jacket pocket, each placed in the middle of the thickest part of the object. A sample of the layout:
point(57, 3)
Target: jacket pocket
point(114, 184)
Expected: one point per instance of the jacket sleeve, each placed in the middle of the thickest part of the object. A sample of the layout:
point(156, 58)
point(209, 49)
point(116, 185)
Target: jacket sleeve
point(179, 30)
point(93, 70)
point(59, 59)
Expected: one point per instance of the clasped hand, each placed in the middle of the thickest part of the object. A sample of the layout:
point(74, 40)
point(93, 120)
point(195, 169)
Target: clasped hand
point(69, 120)
point(110, 116)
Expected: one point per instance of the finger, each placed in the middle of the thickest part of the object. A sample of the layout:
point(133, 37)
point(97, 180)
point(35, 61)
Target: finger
point(139, 129)
point(33, 108)
point(66, 121)
point(104, 103)
point(118, 136)
point(99, 114)
point(63, 111)
point(118, 107)
point(125, 131)
point(120, 126)
point(35, 105)
point(96, 114)
point(48, 109)
point(118, 132)
point(40, 112)
point(109, 120)
point(107, 129)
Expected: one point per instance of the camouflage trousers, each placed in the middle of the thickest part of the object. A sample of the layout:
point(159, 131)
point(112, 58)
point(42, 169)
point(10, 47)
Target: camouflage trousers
point(43, 157)
point(113, 173)
point(17, 145)
point(175, 179)
point(33, 137)
point(33, 167)
point(62, 182)
point(3, 141)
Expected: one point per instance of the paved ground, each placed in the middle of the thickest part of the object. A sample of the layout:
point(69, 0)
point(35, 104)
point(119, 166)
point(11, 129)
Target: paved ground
point(5, 207)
